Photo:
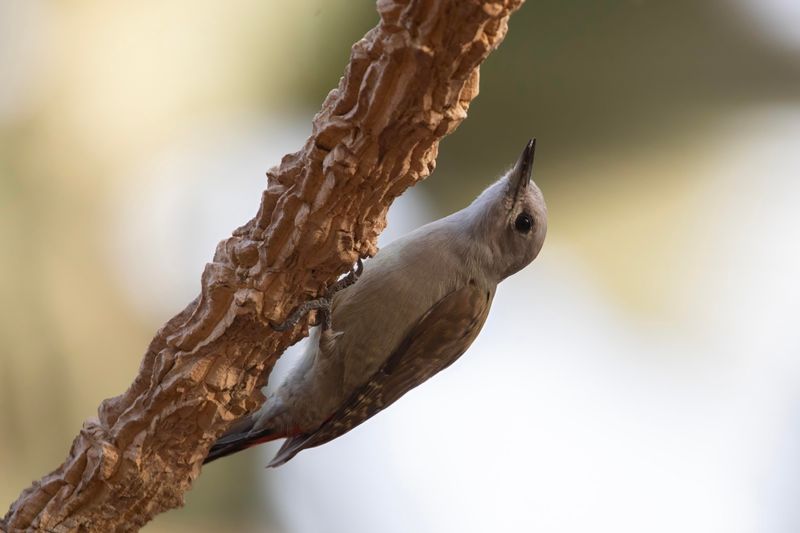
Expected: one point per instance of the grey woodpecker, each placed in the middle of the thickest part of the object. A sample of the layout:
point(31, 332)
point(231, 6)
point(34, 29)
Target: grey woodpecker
point(418, 306)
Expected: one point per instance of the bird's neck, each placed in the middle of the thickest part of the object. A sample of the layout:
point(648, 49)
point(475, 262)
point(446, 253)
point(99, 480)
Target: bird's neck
point(468, 235)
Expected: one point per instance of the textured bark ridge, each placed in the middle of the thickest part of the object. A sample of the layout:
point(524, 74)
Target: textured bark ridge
point(409, 83)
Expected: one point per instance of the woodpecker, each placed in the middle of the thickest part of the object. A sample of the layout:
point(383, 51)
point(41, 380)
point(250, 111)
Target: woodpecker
point(418, 306)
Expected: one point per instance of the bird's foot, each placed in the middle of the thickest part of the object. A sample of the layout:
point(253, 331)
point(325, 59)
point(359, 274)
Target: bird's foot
point(321, 305)
point(346, 281)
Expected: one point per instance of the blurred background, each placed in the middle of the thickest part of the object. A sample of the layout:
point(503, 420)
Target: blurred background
point(642, 375)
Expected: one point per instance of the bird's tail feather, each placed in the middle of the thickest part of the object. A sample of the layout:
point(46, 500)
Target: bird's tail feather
point(290, 448)
point(236, 442)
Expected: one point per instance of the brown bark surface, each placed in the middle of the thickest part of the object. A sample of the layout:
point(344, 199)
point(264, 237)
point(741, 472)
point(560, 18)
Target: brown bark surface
point(409, 83)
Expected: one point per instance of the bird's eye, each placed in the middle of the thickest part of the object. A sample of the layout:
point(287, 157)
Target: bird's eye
point(524, 223)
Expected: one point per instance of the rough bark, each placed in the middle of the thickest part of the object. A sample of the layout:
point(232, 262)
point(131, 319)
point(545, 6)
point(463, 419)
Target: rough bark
point(409, 83)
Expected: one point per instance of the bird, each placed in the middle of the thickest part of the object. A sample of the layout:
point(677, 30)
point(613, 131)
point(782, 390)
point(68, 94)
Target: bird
point(418, 305)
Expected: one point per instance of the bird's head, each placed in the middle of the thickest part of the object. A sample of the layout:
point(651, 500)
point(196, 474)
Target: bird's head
point(510, 218)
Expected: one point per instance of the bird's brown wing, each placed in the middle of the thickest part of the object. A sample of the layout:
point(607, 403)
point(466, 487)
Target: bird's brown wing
point(434, 343)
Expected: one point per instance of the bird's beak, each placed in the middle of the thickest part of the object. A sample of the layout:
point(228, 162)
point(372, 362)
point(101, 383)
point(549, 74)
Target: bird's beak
point(521, 174)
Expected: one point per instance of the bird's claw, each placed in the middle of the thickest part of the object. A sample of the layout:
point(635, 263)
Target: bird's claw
point(346, 281)
point(321, 305)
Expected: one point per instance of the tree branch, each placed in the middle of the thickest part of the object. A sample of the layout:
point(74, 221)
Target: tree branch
point(409, 83)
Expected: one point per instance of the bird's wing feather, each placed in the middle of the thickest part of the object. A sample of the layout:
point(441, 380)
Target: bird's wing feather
point(436, 341)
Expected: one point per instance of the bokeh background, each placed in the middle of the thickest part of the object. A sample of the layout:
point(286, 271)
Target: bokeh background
point(642, 375)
